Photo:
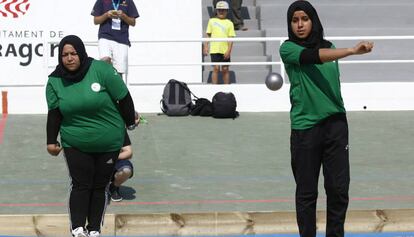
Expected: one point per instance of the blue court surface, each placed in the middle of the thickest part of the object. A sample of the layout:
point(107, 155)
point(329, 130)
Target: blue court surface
point(389, 234)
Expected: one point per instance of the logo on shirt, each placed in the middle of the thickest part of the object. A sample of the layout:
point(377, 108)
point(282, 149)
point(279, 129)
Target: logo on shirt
point(96, 87)
point(14, 8)
point(124, 3)
point(222, 27)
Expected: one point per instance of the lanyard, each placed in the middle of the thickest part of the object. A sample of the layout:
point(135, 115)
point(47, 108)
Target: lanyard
point(116, 6)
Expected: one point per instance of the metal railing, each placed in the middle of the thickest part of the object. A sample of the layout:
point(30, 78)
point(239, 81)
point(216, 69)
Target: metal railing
point(263, 39)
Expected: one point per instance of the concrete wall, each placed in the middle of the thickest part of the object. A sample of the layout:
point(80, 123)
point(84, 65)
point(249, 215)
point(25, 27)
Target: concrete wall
point(27, 57)
point(381, 96)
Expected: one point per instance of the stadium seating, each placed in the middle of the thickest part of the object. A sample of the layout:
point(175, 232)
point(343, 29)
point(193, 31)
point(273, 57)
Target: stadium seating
point(242, 51)
point(340, 18)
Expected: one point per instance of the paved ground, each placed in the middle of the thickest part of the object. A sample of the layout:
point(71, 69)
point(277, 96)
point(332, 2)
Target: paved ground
point(394, 234)
point(195, 164)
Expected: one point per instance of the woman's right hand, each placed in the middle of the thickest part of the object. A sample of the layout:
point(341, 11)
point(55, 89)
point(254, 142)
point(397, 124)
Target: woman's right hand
point(54, 149)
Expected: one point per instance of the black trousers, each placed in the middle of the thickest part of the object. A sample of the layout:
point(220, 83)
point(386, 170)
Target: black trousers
point(90, 174)
point(326, 145)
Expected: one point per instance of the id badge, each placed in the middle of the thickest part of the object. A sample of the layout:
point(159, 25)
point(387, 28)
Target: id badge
point(116, 24)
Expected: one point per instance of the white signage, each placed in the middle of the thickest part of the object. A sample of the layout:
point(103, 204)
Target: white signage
point(30, 31)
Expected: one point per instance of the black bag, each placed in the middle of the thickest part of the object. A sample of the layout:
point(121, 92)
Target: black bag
point(202, 107)
point(224, 105)
point(176, 99)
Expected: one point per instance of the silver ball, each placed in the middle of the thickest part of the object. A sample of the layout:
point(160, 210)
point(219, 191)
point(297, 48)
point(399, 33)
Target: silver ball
point(274, 81)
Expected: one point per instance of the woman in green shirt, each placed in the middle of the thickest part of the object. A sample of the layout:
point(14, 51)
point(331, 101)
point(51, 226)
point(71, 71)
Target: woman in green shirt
point(319, 135)
point(90, 106)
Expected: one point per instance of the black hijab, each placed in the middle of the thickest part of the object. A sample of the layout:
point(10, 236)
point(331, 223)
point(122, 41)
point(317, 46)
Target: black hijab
point(85, 61)
point(315, 38)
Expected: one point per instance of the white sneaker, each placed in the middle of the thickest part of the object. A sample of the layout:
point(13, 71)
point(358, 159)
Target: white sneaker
point(94, 234)
point(79, 232)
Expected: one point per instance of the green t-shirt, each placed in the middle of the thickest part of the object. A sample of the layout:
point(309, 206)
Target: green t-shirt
point(315, 90)
point(91, 119)
point(220, 28)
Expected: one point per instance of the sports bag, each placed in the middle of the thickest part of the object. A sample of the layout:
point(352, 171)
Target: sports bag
point(176, 99)
point(224, 105)
point(203, 107)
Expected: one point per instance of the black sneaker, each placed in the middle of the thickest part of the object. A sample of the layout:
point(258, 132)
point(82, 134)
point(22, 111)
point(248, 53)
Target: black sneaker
point(115, 195)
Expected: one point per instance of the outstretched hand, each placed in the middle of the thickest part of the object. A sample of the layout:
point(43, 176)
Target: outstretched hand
point(363, 47)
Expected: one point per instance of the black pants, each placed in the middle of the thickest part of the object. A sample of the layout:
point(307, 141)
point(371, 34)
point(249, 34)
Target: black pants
point(326, 145)
point(90, 174)
point(235, 13)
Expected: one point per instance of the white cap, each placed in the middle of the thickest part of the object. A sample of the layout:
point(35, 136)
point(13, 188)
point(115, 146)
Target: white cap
point(222, 5)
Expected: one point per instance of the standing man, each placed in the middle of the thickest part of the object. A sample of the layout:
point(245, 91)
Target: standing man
point(114, 18)
point(235, 13)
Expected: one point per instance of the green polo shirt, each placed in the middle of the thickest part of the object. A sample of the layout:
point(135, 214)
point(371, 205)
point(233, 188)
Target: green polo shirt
point(91, 119)
point(315, 90)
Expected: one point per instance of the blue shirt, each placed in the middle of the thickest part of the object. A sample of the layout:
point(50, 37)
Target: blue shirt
point(105, 29)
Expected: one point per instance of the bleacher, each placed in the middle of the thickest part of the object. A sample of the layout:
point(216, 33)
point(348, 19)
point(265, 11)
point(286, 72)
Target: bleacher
point(340, 18)
point(242, 51)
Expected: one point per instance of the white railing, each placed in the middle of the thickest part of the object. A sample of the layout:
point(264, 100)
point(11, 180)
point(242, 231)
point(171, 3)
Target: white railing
point(262, 39)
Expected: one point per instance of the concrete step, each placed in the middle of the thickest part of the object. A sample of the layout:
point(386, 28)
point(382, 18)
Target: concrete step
point(249, 12)
point(397, 16)
point(241, 77)
point(252, 25)
point(251, 32)
point(272, 31)
point(243, 68)
point(380, 72)
point(246, 3)
point(365, 31)
point(248, 48)
point(243, 59)
point(355, 3)
point(383, 49)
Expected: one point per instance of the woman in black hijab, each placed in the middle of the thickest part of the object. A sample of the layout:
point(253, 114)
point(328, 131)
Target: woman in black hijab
point(90, 106)
point(79, 72)
point(319, 129)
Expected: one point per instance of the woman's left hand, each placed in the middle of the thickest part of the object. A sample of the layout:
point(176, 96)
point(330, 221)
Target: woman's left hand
point(54, 149)
point(363, 47)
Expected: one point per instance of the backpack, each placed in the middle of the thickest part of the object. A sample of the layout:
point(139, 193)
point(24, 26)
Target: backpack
point(176, 99)
point(203, 107)
point(224, 105)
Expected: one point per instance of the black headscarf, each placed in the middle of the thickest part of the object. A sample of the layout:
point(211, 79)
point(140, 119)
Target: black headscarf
point(85, 61)
point(315, 38)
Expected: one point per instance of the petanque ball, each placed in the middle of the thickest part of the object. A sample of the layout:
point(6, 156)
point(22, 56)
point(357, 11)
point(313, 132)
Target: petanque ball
point(274, 81)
